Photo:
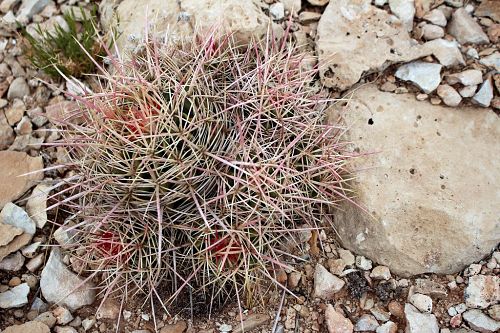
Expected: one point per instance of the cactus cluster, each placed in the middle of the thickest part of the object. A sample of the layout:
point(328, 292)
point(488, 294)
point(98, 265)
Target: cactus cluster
point(196, 167)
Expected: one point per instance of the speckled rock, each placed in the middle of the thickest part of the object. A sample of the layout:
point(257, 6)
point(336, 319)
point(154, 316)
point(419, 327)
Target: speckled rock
point(426, 175)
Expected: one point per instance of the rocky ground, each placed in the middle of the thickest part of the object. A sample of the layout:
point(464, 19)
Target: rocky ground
point(419, 68)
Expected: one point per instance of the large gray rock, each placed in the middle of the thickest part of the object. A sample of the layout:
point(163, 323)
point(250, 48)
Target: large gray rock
point(244, 18)
point(416, 186)
point(355, 37)
point(60, 285)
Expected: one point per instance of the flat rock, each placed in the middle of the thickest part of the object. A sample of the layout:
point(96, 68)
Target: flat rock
point(14, 176)
point(381, 273)
point(492, 61)
point(404, 10)
point(16, 216)
point(388, 327)
point(356, 38)
point(480, 322)
point(447, 52)
point(36, 206)
point(60, 285)
point(467, 78)
point(484, 95)
point(31, 327)
point(417, 322)
point(18, 89)
point(243, 18)
point(12, 262)
point(419, 175)
point(31, 7)
point(366, 323)
point(15, 297)
point(422, 302)
point(488, 8)
point(449, 95)
point(8, 233)
point(6, 132)
point(465, 29)
point(326, 285)
point(482, 291)
point(424, 75)
point(336, 322)
point(436, 17)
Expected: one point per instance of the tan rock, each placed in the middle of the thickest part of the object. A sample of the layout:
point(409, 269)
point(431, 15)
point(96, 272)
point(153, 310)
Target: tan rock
point(244, 18)
point(418, 185)
point(179, 327)
point(31, 327)
point(8, 233)
point(336, 322)
point(355, 37)
point(36, 206)
point(489, 8)
point(17, 243)
point(14, 166)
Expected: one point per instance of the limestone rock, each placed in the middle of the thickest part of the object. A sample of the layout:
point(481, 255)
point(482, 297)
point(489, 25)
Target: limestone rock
point(447, 52)
point(244, 18)
point(388, 327)
point(467, 78)
point(404, 10)
point(356, 38)
point(60, 285)
point(422, 302)
point(489, 8)
point(277, 11)
point(436, 17)
point(326, 285)
point(15, 297)
point(37, 204)
point(416, 179)
point(18, 89)
point(366, 323)
point(381, 273)
point(482, 291)
point(6, 133)
point(424, 75)
point(449, 95)
point(8, 233)
point(493, 61)
point(16, 216)
point(31, 327)
point(31, 7)
point(14, 166)
point(12, 262)
point(484, 95)
point(465, 29)
point(417, 322)
point(480, 322)
point(468, 91)
point(431, 32)
point(336, 322)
